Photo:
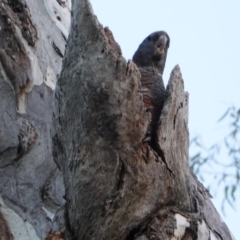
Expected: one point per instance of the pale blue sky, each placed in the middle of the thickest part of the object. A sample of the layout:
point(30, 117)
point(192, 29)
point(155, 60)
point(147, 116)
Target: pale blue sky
point(205, 42)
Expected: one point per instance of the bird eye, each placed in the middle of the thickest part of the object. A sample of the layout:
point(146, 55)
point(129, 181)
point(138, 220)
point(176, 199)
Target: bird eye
point(149, 38)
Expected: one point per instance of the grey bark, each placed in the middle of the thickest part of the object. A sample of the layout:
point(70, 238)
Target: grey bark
point(116, 186)
point(31, 186)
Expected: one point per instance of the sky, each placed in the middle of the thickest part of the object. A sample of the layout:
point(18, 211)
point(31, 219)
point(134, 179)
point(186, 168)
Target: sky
point(205, 43)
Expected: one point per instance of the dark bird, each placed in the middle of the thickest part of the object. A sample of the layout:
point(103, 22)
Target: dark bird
point(150, 58)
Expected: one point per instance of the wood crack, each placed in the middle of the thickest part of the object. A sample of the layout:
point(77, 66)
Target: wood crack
point(175, 116)
point(58, 51)
point(120, 176)
point(161, 154)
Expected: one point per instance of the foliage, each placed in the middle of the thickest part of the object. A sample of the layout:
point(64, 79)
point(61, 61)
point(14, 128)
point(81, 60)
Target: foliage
point(224, 170)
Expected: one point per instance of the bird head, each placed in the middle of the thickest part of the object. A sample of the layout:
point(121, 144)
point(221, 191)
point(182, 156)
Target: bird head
point(153, 51)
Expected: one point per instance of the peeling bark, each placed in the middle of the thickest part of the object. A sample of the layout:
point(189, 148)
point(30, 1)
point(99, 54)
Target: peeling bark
point(5, 233)
point(31, 187)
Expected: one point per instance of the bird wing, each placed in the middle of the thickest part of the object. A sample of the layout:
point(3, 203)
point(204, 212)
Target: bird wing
point(152, 88)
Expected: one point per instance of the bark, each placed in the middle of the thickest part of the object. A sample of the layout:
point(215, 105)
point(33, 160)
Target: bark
point(31, 186)
point(116, 186)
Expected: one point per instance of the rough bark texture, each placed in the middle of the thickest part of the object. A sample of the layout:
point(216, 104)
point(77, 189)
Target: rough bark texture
point(116, 186)
point(31, 186)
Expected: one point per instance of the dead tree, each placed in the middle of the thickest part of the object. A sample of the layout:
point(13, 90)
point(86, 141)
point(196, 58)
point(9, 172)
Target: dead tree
point(116, 186)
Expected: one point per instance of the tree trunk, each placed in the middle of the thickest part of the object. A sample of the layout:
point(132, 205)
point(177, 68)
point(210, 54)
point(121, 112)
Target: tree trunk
point(32, 41)
point(116, 186)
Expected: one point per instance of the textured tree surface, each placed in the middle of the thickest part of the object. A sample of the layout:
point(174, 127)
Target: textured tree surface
point(31, 186)
point(116, 186)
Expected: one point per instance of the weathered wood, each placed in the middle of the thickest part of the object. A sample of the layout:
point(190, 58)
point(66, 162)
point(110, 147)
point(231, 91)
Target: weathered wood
point(116, 186)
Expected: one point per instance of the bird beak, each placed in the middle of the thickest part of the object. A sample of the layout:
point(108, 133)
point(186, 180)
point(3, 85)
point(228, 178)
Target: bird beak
point(161, 44)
